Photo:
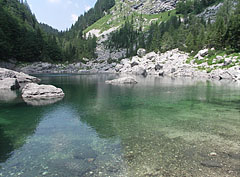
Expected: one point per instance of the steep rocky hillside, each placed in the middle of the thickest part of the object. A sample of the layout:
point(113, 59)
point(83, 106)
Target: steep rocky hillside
point(153, 6)
point(142, 12)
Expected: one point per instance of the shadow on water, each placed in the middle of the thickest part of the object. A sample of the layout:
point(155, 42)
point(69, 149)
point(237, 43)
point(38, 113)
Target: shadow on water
point(6, 146)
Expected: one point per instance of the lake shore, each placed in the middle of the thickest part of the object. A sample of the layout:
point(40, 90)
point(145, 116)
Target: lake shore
point(172, 63)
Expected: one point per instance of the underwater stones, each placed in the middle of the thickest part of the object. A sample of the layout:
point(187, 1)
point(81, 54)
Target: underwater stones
point(41, 102)
point(35, 91)
point(210, 163)
point(123, 80)
point(234, 156)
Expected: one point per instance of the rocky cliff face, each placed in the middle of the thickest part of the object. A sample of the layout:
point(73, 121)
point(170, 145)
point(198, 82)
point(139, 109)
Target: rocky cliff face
point(153, 6)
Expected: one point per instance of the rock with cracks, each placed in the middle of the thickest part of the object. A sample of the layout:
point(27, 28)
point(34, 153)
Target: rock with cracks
point(21, 77)
point(35, 91)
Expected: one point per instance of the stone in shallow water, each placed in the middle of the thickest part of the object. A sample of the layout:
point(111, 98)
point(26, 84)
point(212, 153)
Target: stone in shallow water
point(41, 102)
point(210, 163)
point(35, 91)
point(123, 80)
point(234, 156)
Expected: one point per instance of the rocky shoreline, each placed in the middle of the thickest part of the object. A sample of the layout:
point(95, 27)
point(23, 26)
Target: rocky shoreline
point(172, 63)
point(32, 93)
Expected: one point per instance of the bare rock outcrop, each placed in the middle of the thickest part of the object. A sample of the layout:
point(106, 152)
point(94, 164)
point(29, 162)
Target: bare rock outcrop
point(35, 91)
point(19, 76)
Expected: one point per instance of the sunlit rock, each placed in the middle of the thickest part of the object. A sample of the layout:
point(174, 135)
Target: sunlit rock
point(9, 83)
point(123, 80)
point(35, 91)
point(21, 77)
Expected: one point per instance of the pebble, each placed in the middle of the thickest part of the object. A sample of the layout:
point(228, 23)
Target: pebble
point(213, 154)
point(44, 173)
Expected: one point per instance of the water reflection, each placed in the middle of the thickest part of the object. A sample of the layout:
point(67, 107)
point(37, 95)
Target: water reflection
point(159, 127)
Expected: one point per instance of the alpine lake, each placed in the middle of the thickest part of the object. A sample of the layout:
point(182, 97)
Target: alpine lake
point(158, 127)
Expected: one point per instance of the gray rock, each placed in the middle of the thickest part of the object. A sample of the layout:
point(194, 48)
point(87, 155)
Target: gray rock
point(210, 163)
point(141, 52)
point(227, 61)
point(161, 73)
point(134, 64)
point(173, 70)
point(225, 75)
point(123, 80)
point(139, 70)
point(21, 77)
point(35, 91)
point(203, 52)
point(158, 67)
point(9, 83)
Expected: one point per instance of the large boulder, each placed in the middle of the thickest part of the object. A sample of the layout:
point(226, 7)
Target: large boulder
point(123, 80)
point(141, 52)
point(21, 77)
point(35, 91)
point(139, 70)
point(9, 83)
point(201, 54)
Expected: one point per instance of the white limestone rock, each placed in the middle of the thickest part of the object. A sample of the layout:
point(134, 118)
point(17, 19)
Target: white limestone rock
point(21, 77)
point(9, 84)
point(35, 91)
point(141, 52)
point(123, 80)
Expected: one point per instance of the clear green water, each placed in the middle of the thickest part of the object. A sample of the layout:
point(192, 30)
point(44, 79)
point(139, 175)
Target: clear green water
point(159, 127)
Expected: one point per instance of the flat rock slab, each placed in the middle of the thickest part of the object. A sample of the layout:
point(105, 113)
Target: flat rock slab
point(21, 77)
point(35, 91)
point(123, 80)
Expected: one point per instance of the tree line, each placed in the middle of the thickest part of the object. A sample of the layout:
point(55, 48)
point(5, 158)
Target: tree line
point(24, 39)
point(184, 31)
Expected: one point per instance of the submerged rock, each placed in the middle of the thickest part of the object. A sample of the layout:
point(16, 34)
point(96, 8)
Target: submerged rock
point(35, 91)
point(123, 80)
point(9, 83)
point(41, 102)
point(210, 163)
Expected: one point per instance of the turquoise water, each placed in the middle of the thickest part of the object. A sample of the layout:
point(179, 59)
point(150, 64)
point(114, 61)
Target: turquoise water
point(159, 127)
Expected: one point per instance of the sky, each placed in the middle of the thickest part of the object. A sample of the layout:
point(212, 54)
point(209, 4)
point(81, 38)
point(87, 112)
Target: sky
point(59, 14)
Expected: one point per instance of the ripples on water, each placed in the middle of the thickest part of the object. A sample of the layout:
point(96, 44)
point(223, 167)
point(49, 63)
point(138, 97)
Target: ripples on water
point(159, 127)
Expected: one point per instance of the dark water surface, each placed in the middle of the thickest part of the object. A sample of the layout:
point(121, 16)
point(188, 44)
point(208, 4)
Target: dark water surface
point(159, 127)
